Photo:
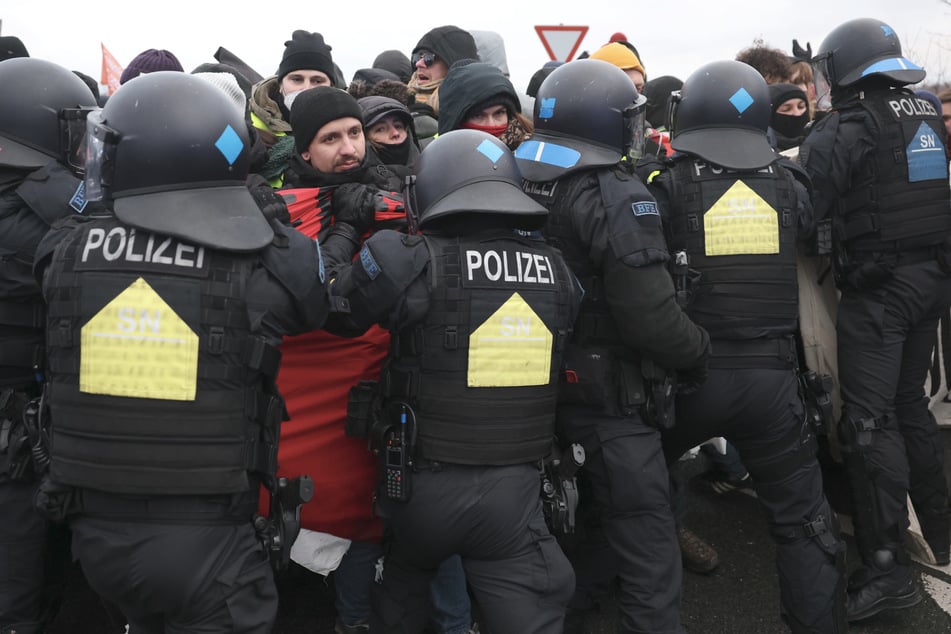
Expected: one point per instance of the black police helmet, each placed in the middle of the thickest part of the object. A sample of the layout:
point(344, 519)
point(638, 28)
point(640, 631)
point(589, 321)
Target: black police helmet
point(472, 172)
point(172, 153)
point(587, 114)
point(862, 48)
point(721, 114)
point(43, 108)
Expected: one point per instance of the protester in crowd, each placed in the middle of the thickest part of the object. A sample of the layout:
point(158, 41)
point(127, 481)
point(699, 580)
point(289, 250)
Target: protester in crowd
point(789, 116)
point(306, 63)
point(395, 62)
point(478, 96)
point(771, 63)
point(388, 126)
point(432, 56)
point(624, 58)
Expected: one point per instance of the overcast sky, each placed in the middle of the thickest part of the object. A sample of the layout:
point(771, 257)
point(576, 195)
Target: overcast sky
point(674, 37)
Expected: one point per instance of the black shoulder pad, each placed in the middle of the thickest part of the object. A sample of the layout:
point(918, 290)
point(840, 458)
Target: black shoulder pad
point(298, 265)
point(52, 192)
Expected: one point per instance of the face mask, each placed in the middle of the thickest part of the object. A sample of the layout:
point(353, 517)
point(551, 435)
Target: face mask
point(789, 126)
point(289, 99)
point(494, 130)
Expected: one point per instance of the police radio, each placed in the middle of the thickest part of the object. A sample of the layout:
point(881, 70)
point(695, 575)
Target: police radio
point(397, 463)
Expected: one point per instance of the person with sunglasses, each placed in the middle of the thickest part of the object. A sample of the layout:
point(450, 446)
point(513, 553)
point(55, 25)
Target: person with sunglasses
point(44, 108)
point(432, 56)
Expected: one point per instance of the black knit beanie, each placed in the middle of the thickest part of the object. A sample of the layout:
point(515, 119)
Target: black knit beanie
point(316, 107)
point(306, 51)
point(449, 43)
point(396, 62)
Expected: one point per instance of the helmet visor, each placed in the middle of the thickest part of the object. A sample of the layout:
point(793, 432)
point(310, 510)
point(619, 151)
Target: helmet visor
point(72, 125)
point(822, 82)
point(100, 152)
point(635, 127)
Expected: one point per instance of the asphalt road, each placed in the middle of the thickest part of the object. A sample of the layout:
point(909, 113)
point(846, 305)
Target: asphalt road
point(740, 597)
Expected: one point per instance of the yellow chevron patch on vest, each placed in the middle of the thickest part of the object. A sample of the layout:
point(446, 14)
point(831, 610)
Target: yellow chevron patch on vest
point(137, 346)
point(512, 348)
point(741, 223)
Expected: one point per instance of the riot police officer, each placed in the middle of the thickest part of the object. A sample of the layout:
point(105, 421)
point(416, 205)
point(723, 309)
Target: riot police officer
point(880, 175)
point(734, 209)
point(165, 313)
point(588, 117)
point(480, 314)
point(44, 107)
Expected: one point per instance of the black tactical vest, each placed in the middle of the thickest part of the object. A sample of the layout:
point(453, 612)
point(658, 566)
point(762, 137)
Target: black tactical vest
point(50, 193)
point(739, 231)
point(157, 379)
point(481, 369)
point(900, 202)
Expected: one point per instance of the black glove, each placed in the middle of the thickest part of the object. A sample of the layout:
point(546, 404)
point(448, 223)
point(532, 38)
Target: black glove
point(270, 203)
point(355, 204)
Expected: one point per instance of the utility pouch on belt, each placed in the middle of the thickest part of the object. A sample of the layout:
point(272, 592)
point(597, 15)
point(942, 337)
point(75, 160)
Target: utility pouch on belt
point(362, 409)
point(631, 393)
point(595, 377)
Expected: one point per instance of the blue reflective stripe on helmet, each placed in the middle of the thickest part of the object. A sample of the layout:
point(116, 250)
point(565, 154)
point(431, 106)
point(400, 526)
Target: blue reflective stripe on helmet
point(894, 63)
point(548, 153)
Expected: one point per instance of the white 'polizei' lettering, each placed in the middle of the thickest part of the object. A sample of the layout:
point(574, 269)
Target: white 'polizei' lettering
point(120, 243)
point(910, 106)
point(509, 266)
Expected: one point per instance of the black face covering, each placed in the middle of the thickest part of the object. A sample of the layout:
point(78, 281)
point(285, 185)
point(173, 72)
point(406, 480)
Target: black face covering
point(394, 153)
point(788, 126)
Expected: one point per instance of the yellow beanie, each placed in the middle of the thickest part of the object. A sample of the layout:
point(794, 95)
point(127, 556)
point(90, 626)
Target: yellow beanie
point(619, 55)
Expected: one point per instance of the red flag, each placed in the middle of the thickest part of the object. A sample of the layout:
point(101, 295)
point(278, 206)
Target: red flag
point(111, 70)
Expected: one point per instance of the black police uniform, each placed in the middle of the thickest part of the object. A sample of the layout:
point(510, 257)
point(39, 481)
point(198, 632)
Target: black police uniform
point(881, 176)
point(478, 324)
point(29, 203)
point(479, 313)
point(160, 444)
point(739, 231)
point(607, 225)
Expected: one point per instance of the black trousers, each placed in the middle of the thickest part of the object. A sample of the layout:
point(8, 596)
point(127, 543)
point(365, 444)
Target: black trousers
point(170, 578)
point(635, 541)
point(759, 411)
point(34, 556)
point(886, 337)
point(492, 517)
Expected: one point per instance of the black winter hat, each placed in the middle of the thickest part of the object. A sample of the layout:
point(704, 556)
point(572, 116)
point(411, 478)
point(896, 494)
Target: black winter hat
point(781, 93)
point(375, 107)
point(11, 46)
point(306, 51)
point(150, 60)
point(396, 62)
point(315, 107)
point(374, 75)
point(449, 43)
